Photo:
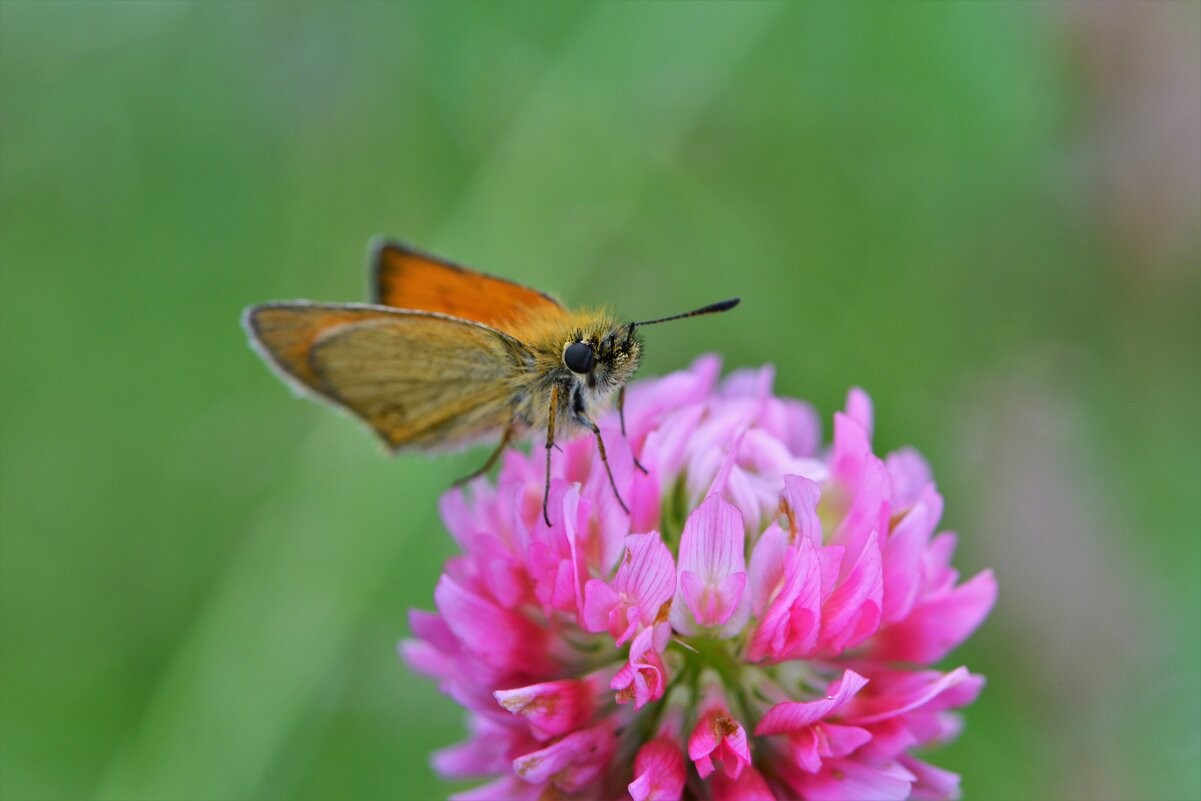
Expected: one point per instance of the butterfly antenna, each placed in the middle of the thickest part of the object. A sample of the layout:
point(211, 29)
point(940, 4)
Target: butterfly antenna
point(712, 308)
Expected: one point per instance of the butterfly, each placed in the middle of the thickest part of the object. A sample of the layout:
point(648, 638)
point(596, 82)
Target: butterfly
point(445, 356)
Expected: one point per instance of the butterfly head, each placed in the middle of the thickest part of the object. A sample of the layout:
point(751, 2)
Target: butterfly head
point(603, 358)
point(604, 354)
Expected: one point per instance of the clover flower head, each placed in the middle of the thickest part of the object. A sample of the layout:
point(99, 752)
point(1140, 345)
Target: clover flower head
point(760, 625)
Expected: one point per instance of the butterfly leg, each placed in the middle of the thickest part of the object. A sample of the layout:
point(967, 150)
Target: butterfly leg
point(621, 415)
point(582, 418)
point(550, 443)
point(504, 441)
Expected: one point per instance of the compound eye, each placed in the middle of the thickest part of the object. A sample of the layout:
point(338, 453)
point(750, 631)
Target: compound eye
point(578, 358)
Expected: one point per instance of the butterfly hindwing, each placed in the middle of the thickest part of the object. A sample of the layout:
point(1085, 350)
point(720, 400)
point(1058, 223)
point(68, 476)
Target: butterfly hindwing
point(405, 278)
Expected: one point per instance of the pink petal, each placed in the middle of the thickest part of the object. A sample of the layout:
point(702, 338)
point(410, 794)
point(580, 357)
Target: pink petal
point(749, 786)
point(575, 520)
point(938, 556)
point(455, 512)
point(848, 780)
point(427, 660)
point(666, 447)
point(508, 787)
point(553, 562)
point(889, 738)
point(648, 402)
point(829, 559)
point(824, 740)
point(551, 708)
point(600, 601)
point(711, 549)
point(909, 473)
point(719, 484)
point(870, 509)
point(615, 521)
point(837, 741)
point(793, 716)
point(659, 771)
point(433, 629)
point(647, 574)
point(859, 409)
point(572, 762)
point(933, 784)
point(711, 543)
point(748, 492)
point(503, 574)
point(644, 676)
point(933, 629)
point(915, 691)
point(500, 637)
point(645, 582)
point(490, 750)
point(798, 503)
point(748, 382)
point(767, 567)
point(853, 611)
point(645, 503)
point(805, 749)
point(852, 448)
point(719, 736)
point(712, 605)
point(789, 628)
point(795, 423)
point(903, 553)
point(601, 539)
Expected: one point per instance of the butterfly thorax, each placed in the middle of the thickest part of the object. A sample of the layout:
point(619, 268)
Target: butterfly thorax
point(580, 360)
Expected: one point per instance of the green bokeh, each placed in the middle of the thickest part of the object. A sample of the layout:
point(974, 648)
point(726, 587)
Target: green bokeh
point(203, 580)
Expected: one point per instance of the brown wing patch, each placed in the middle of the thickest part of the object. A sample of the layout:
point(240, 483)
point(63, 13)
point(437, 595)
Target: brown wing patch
point(408, 279)
point(284, 333)
point(420, 380)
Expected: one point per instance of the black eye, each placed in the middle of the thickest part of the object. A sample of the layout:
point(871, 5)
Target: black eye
point(578, 358)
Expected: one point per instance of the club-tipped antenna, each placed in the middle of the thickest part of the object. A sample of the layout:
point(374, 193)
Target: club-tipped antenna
point(712, 308)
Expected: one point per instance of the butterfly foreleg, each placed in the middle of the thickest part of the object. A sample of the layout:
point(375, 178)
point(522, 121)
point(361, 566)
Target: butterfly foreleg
point(581, 417)
point(621, 415)
point(550, 443)
point(504, 441)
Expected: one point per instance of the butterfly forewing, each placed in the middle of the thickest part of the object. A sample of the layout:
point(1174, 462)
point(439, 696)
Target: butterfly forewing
point(286, 332)
point(421, 380)
point(408, 279)
point(417, 379)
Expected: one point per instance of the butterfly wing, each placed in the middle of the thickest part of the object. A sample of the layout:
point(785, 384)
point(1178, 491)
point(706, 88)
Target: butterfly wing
point(284, 335)
point(409, 279)
point(418, 379)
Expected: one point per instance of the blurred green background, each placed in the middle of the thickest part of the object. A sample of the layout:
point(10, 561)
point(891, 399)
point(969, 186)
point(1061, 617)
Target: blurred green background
point(986, 214)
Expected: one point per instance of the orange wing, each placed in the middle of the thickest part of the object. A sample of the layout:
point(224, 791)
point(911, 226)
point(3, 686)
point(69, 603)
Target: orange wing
point(409, 279)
